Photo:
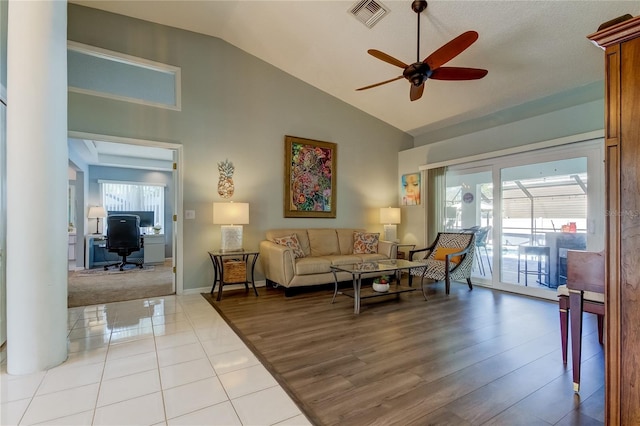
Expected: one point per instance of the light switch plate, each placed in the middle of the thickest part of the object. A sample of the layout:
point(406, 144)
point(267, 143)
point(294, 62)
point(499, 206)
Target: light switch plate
point(189, 214)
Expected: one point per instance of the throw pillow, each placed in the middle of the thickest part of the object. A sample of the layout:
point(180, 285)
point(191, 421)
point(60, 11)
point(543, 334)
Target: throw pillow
point(365, 242)
point(442, 252)
point(292, 242)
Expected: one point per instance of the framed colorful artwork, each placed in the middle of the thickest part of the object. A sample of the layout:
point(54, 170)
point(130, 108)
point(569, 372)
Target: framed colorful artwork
point(309, 178)
point(410, 189)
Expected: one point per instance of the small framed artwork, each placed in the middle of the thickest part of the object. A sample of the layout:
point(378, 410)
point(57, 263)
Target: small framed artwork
point(309, 178)
point(410, 189)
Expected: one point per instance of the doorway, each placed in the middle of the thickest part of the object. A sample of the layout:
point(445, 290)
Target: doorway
point(120, 158)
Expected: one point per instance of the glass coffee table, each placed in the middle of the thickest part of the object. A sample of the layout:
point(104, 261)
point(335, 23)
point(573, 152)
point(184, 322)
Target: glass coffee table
point(373, 269)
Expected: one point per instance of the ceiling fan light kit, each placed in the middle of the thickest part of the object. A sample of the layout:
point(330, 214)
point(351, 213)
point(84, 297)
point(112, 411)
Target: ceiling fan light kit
point(431, 68)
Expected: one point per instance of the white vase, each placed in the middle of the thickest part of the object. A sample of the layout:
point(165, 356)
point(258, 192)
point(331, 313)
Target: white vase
point(380, 288)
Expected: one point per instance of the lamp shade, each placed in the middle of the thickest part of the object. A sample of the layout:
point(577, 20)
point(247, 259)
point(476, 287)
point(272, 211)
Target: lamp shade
point(96, 212)
point(390, 215)
point(230, 213)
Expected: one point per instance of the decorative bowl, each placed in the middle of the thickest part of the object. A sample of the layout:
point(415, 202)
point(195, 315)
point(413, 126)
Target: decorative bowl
point(380, 288)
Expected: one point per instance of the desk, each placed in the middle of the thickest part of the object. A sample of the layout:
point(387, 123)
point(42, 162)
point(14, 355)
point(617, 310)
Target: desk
point(96, 253)
point(218, 259)
point(153, 248)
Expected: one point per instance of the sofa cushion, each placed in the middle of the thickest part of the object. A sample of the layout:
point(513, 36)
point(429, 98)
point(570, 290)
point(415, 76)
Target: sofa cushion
point(303, 238)
point(343, 259)
point(291, 241)
point(365, 242)
point(345, 239)
point(312, 265)
point(587, 295)
point(370, 257)
point(323, 242)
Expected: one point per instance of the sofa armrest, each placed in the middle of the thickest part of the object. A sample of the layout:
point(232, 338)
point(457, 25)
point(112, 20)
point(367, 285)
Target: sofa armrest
point(388, 248)
point(278, 262)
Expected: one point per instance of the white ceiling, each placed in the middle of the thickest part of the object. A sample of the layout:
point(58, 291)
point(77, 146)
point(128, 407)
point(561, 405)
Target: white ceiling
point(114, 154)
point(532, 49)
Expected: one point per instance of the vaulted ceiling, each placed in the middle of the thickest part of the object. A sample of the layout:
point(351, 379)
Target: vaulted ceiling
point(536, 52)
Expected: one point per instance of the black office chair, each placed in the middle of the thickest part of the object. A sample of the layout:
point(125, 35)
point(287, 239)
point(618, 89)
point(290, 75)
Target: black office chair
point(123, 237)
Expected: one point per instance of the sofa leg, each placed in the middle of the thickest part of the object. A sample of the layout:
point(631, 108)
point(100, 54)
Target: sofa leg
point(288, 292)
point(410, 280)
point(447, 281)
point(469, 284)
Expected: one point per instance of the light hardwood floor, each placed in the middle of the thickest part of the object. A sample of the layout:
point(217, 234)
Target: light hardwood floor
point(470, 358)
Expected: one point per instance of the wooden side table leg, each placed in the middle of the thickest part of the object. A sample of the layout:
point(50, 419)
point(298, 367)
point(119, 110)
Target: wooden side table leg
point(215, 272)
point(219, 298)
point(253, 266)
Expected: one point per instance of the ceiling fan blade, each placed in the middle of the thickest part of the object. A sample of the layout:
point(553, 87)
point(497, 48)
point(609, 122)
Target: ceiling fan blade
point(450, 50)
point(416, 92)
point(387, 58)
point(380, 84)
point(457, 73)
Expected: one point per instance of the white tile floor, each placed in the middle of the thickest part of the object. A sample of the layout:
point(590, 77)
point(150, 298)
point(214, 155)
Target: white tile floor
point(162, 361)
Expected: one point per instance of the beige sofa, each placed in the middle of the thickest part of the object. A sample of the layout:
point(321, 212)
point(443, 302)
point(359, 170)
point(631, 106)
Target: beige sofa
point(322, 248)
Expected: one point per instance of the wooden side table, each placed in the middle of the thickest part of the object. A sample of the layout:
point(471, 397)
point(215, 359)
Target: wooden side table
point(401, 254)
point(231, 268)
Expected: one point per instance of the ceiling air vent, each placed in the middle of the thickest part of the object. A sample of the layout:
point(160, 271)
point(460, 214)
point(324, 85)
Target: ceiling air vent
point(369, 12)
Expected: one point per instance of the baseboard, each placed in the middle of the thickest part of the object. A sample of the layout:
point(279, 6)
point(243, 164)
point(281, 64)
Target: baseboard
point(259, 283)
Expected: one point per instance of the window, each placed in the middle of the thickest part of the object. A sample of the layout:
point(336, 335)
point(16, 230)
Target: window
point(125, 196)
point(100, 72)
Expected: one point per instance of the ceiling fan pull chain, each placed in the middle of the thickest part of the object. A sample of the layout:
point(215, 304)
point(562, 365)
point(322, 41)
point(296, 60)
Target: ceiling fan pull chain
point(418, 38)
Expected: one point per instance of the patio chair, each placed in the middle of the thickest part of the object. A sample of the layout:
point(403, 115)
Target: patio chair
point(450, 257)
point(482, 235)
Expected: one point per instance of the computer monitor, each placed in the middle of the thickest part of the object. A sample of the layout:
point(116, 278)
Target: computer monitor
point(147, 218)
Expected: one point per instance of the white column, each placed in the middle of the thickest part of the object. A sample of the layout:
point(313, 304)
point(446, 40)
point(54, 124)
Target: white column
point(37, 159)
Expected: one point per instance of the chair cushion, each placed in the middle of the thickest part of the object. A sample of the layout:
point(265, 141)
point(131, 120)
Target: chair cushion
point(588, 295)
point(365, 242)
point(442, 252)
point(292, 242)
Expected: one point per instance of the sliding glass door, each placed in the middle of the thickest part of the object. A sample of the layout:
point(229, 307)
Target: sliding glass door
point(469, 208)
point(544, 213)
point(527, 210)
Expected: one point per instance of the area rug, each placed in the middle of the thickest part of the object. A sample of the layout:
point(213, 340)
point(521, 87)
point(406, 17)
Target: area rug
point(97, 286)
point(110, 271)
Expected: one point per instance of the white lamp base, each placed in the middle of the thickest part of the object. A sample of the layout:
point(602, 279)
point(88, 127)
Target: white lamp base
point(231, 238)
point(391, 233)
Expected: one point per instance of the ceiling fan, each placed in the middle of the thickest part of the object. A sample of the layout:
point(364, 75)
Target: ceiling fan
point(418, 72)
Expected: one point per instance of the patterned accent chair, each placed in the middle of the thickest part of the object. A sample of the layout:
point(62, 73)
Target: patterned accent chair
point(450, 257)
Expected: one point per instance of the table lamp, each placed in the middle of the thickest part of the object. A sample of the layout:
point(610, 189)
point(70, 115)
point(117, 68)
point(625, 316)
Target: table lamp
point(97, 212)
point(231, 216)
point(390, 217)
